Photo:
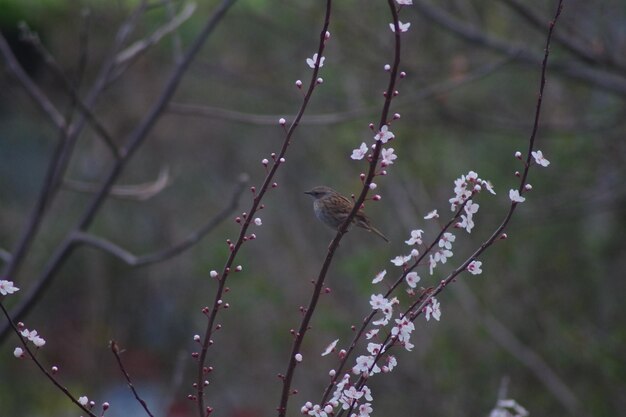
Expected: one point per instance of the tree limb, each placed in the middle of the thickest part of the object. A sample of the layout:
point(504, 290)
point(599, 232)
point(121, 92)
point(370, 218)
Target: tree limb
point(139, 192)
point(601, 79)
point(31, 88)
point(127, 257)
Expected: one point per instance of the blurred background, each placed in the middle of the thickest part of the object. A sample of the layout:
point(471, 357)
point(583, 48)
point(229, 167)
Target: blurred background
point(547, 313)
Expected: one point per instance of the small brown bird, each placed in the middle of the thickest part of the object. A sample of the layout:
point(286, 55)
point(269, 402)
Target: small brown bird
point(332, 209)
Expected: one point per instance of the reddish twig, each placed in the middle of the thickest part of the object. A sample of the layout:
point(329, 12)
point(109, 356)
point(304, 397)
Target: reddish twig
point(32, 356)
point(116, 352)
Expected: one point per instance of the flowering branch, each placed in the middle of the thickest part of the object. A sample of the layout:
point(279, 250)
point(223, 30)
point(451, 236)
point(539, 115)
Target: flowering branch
point(315, 63)
point(43, 370)
point(342, 229)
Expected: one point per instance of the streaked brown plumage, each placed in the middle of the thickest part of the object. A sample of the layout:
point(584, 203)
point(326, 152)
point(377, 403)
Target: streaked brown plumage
point(332, 209)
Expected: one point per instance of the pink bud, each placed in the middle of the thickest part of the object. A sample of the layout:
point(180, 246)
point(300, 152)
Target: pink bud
point(402, 74)
point(387, 67)
point(299, 84)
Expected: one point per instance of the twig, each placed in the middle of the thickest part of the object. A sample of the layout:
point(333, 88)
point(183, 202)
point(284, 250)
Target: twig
point(584, 52)
point(139, 192)
point(601, 79)
point(37, 215)
point(164, 254)
point(337, 117)
point(177, 45)
point(32, 356)
point(503, 389)
point(138, 48)
point(33, 38)
point(116, 352)
point(31, 88)
point(529, 358)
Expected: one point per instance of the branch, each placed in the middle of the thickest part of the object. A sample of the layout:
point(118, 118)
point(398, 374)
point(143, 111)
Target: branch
point(33, 38)
point(116, 352)
point(33, 357)
point(138, 48)
point(577, 48)
point(167, 253)
point(31, 88)
point(138, 192)
point(529, 358)
point(338, 117)
point(601, 79)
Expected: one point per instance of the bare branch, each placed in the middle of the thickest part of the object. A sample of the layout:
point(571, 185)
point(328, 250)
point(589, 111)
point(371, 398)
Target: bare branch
point(31, 88)
point(139, 47)
point(138, 192)
point(582, 51)
point(176, 40)
point(601, 79)
point(338, 117)
point(508, 341)
point(167, 253)
point(33, 38)
point(116, 352)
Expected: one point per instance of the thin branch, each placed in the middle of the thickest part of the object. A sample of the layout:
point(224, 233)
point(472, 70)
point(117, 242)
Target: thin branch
point(177, 44)
point(33, 38)
point(609, 82)
point(582, 51)
point(116, 352)
point(37, 214)
point(529, 358)
point(503, 390)
point(138, 48)
point(341, 116)
point(138, 192)
point(167, 253)
point(31, 88)
point(39, 365)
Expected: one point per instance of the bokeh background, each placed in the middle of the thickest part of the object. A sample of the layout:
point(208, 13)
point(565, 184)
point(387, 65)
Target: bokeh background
point(547, 314)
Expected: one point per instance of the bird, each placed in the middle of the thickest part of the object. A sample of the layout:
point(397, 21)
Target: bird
point(333, 208)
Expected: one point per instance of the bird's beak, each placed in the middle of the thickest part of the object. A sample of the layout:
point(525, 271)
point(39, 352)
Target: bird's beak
point(308, 192)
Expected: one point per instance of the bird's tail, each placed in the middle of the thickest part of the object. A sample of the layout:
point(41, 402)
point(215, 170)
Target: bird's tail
point(378, 232)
